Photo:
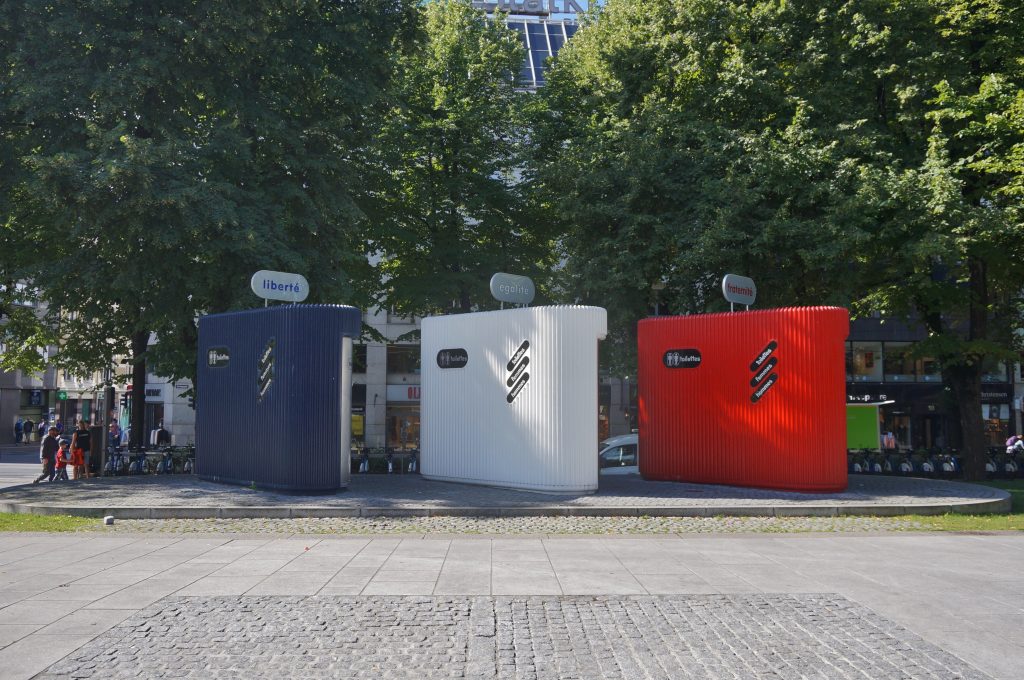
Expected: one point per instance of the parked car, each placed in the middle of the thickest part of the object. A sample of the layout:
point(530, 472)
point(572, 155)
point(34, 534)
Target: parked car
point(619, 456)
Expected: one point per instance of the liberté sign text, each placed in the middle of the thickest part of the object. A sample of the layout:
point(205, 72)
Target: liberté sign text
point(271, 285)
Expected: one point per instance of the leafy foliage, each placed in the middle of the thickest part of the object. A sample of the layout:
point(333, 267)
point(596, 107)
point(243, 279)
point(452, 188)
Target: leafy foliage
point(454, 208)
point(858, 153)
point(171, 149)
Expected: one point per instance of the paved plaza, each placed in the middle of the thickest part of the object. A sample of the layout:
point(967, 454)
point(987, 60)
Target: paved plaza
point(185, 496)
point(550, 638)
point(878, 606)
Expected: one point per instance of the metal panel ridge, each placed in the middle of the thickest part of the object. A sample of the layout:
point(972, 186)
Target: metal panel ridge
point(510, 397)
point(747, 398)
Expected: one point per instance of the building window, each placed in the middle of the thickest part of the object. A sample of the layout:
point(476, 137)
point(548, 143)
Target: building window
point(866, 364)
point(404, 359)
point(898, 366)
point(928, 370)
point(993, 371)
point(359, 358)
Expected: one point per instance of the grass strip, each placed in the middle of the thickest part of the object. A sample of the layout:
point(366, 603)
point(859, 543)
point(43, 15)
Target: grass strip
point(56, 523)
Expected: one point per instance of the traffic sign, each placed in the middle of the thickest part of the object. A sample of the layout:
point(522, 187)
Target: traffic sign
point(62, 395)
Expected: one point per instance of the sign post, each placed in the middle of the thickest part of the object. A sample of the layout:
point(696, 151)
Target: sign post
point(271, 285)
point(738, 290)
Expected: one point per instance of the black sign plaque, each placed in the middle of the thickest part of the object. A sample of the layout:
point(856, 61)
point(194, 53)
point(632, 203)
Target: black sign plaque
point(218, 357)
point(452, 358)
point(763, 356)
point(681, 358)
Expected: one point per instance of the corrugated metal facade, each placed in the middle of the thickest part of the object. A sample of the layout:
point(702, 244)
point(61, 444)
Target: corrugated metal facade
point(748, 399)
point(270, 397)
point(510, 397)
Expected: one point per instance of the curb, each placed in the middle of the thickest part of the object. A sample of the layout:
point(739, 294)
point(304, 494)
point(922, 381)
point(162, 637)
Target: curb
point(986, 506)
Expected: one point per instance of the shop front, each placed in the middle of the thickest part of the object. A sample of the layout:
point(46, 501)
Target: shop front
point(911, 416)
point(996, 413)
point(403, 417)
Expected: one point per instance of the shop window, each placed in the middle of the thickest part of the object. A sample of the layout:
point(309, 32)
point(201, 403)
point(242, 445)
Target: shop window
point(898, 365)
point(403, 359)
point(928, 370)
point(997, 423)
point(403, 423)
point(849, 362)
point(867, 362)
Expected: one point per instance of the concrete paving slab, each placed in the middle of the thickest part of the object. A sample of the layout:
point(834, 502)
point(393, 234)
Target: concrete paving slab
point(12, 632)
point(78, 592)
point(37, 612)
point(34, 653)
point(87, 622)
point(292, 583)
point(214, 586)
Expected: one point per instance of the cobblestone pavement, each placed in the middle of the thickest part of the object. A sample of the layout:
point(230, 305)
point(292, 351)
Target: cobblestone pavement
point(372, 494)
point(512, 525)
point(530, 638)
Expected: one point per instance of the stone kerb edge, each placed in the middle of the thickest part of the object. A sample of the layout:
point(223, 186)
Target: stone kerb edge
point(985, 506)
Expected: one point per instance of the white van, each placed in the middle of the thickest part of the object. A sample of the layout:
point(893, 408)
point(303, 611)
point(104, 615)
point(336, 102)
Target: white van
point(619, 455)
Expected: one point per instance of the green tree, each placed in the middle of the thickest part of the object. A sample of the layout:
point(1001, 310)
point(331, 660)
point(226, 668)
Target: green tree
point(454, 208)
point(171, 149)
point(837, 152)
point(947, 247)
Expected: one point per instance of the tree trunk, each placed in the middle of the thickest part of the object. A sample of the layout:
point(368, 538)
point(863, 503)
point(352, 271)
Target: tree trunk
point(966, 384)
point(965, 376)
point(140, 343)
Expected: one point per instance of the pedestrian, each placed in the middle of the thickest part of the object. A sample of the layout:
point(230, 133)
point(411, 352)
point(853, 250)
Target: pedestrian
point(19, 430)
point(63, 457)
point(41, 429)
point(48, 456)
point(60, 426)
point(115, 434)
point(28, 430)
point(80, 451)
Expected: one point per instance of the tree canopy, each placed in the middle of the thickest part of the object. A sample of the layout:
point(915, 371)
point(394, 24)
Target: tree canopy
point(166, 151)
point(863, 154)
point(454, 206)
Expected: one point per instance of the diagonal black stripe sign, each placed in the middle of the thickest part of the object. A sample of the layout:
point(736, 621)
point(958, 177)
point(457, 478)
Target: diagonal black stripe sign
point(516, 367)
point(265, 370)
point(762, 366)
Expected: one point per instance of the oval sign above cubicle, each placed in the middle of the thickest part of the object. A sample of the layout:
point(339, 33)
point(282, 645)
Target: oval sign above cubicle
point(511, 288)
point(271, 285)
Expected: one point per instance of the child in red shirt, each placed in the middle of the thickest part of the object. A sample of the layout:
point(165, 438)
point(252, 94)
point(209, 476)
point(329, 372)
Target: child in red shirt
point(62, 461)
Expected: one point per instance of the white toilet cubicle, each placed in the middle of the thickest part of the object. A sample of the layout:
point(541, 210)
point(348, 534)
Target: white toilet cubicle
point(509, 398)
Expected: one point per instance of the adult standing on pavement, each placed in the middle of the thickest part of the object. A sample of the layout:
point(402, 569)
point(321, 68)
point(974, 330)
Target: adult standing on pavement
point(19, 430)
point(60, 426)
point(80, 451)
point(41, 429)
point(28, 429)
point(48, 456)
point(115, 434)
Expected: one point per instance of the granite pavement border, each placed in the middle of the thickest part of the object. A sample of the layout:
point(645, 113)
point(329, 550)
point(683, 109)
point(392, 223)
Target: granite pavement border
point(181, 497)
